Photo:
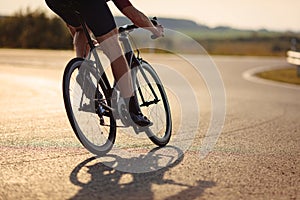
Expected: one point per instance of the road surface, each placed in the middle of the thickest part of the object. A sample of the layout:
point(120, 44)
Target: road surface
point(256, 156)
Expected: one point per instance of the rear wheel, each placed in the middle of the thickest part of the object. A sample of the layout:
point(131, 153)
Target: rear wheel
point(154, 104)
point(86, 107)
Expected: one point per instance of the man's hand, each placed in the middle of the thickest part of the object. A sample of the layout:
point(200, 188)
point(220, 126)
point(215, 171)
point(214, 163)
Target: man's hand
point(141, 20)
point(158, 31)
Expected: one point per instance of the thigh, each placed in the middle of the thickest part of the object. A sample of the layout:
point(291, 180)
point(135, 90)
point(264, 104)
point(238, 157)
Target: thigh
point(63, 9)
point(97, 16)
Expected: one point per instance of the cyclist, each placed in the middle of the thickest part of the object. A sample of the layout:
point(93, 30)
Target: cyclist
point(100, 21)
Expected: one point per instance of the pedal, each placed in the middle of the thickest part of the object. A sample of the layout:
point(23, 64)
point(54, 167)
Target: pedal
point(139, 129)
point(102, 122)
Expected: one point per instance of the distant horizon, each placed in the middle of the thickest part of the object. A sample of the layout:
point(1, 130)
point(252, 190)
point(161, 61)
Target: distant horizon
point(199, 24)
point(272, 15)
point(227, 26)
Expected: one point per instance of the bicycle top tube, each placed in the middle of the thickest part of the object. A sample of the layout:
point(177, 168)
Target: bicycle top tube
point(127, 28)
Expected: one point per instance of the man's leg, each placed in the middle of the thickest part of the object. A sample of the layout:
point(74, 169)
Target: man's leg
point(109, 43)
point(79, 41)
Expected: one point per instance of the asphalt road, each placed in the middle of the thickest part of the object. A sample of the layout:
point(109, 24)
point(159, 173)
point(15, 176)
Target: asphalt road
point(256, 155)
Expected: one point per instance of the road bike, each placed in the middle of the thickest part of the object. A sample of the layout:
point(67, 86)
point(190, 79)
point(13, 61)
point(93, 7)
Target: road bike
point(95, 107)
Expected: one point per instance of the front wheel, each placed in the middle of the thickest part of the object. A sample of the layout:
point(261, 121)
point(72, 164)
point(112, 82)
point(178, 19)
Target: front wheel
point(154, 103)
point(85, 104)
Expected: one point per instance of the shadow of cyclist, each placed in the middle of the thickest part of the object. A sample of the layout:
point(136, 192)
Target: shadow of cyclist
point(107, 183)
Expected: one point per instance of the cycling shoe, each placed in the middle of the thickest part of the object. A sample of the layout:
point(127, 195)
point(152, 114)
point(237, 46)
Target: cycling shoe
point(140, 120)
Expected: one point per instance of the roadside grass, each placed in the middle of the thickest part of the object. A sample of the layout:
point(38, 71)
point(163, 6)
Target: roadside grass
point(287, 75)
point(246, 47)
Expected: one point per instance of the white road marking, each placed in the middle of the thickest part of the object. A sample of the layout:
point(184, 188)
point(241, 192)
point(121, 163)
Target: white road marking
point(250, 76)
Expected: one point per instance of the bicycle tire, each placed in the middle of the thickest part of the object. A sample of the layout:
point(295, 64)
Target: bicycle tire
point(159, 113)
point(86, 123)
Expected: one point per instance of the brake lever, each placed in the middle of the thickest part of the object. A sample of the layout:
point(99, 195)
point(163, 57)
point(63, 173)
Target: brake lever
point(154, 21)
point(153, 37)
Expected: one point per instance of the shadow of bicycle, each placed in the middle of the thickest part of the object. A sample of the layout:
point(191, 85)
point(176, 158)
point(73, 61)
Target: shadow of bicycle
point(105, 182)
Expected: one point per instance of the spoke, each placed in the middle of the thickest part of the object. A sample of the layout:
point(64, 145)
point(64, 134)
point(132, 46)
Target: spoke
point(156, 111)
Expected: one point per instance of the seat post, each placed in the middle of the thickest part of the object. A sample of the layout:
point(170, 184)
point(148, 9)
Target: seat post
point(85, 30)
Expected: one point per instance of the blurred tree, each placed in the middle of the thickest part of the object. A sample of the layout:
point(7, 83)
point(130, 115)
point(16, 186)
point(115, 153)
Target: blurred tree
point(33, 29)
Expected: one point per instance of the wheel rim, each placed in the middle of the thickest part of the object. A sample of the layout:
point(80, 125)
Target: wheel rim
point(82, 111)
point(158, 113)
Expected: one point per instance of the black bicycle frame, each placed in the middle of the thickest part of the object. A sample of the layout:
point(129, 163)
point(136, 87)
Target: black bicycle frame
point(103, 81)
point(132, 61)
point(134, 64)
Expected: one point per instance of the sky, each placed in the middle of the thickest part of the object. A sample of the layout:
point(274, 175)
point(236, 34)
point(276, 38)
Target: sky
point(279, 15)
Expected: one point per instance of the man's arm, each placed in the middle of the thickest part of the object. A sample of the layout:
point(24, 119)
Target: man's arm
point(141, 20)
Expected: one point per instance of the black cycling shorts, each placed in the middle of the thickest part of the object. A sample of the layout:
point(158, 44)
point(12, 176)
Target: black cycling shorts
point(95, 13)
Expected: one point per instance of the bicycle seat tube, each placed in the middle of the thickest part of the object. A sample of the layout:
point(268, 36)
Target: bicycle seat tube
point(85, 30)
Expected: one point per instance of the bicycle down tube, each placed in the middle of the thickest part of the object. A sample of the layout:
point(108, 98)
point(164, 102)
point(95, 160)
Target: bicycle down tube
point(134, 62)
